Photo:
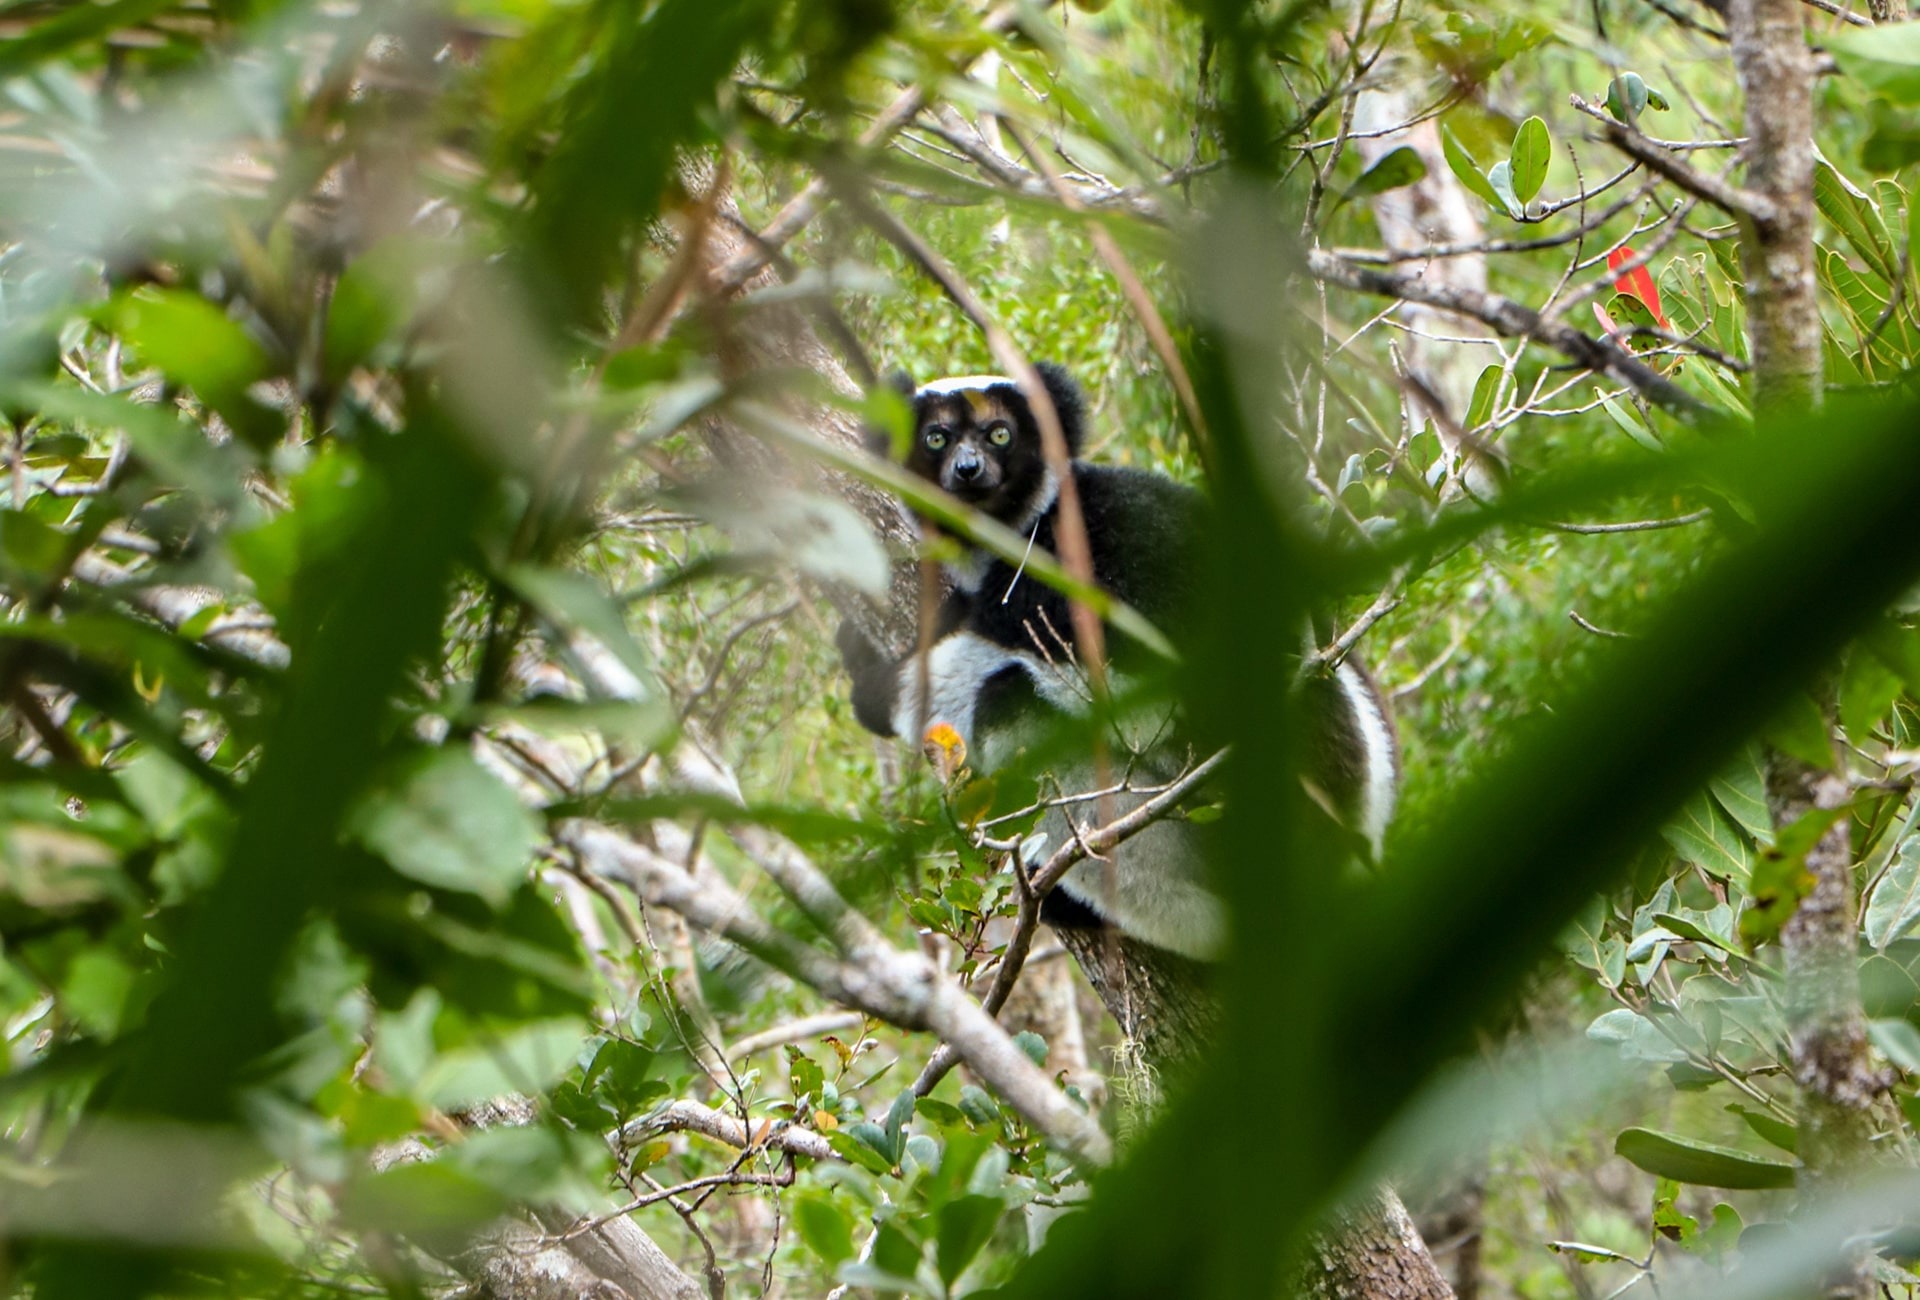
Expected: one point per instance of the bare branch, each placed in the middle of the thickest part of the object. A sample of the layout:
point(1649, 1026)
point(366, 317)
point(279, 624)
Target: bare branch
point(1514, 320)
point(692, 1117)
point(875, 977)
point(794, 1031)
point(1663, 159)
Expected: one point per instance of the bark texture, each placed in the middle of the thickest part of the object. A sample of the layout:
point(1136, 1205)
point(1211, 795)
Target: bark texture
point(1371, 1251)
point(1775, 68)
point(1826, 1025)
point(533, 1258)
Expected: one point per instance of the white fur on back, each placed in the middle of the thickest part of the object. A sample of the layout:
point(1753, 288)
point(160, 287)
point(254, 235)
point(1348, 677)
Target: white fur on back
point(1377, 746)
point(957, 667)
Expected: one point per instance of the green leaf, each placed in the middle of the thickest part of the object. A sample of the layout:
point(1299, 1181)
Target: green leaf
point(820, 535)
point(525, 1060)
point(1741, 790)
point(171, 447)
point(978, 1106)
point(824, 1226)
point(1868, 689)
point(1894, 140)
point(1800, 728)
point(95, 991)
point(962, 1227)
point(1637, 1037)
point(1690, 929)
point(575, 600)
point(1589, 1254)
point(1701, 1164)
point(1627, 97)
point(1770, 1128)
point(1884, 59)
point(1464, 167)
point(1669, 1220)
point(619, 1073)
point(875, 1138)
point(1589, 944)
point(1033, 1045)
point(196, 344)
point(1485, 390)
point(1392, 170)
point(427, 1201)
point(371, 301)
point(860, 1151)
point(1898, 1041)
point(1856, 217)
point(1500, 177)
point(1625, 417)
point(897, 1116)
point(661, 69)
point(805, 1074)
point(894, 1251)
point(440, 818)
point(1780, 877)
point(1894, 906)
point(1707, 837)
point(1532, 150)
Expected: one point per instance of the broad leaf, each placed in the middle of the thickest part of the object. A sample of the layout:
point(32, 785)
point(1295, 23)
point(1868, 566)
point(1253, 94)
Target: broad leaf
point(1702, 1164)
point(1532, 150)
point(440, 818)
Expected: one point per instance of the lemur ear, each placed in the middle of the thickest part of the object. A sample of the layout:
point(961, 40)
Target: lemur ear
point(880, 441)
point(1068, 403)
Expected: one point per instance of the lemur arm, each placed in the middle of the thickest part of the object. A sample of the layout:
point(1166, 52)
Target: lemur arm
point(876, 679)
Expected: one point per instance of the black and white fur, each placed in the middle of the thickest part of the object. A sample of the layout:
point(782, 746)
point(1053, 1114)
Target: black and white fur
point(1000, 664)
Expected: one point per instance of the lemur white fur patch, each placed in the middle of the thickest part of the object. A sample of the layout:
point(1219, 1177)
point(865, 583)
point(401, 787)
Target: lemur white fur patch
point(958, 667)
point(1150, 886)
point(1376, 742)
point(962, 384)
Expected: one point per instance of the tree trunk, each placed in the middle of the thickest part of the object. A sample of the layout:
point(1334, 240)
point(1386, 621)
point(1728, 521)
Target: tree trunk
point(1776, 251)
point(1827, 1028)
point(1371, 1250)
point(1826, 1025)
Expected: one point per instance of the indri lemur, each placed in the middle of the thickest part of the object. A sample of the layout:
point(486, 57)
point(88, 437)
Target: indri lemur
point(1000, 666)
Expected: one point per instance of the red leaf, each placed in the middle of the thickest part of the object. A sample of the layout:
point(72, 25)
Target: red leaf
point(1606, 322)
point(1636, 283)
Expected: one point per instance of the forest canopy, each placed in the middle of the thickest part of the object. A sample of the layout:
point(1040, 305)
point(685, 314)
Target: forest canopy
point(451, 446)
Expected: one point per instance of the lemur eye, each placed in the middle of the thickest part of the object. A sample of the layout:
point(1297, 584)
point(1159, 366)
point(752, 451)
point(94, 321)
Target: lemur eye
point(999, 435)
point(936, 437)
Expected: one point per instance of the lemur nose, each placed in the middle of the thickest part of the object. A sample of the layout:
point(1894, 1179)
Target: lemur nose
point(966, 466)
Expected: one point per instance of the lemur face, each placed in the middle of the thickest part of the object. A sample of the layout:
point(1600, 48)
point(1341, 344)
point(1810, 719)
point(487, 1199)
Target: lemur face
point(978, 439)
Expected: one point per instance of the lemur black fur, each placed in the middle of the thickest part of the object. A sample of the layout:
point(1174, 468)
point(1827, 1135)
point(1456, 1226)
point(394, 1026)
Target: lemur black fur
point(1001, 662)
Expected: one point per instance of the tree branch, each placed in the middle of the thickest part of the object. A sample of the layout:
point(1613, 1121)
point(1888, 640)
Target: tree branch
point(1509, 318)
point(1662, 159)
point(873, 976)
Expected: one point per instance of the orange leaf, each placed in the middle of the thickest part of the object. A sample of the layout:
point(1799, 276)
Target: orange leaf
point(1636, 283)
